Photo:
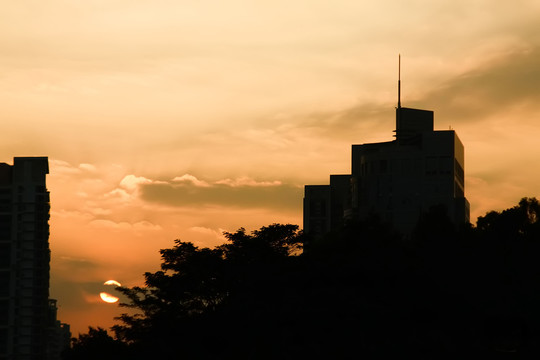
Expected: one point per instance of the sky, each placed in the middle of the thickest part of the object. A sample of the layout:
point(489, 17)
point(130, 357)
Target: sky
point(182, 119)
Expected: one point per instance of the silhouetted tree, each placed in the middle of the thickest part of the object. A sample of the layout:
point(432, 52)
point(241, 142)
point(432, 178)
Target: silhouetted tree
point(362, 290)
point(519, 222)
point(510, 244)
point(199, 293)
point(96, 344)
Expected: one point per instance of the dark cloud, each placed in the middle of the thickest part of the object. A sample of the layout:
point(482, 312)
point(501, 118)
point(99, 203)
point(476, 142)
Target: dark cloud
point(361, 119)
point(75, 264)
point(72, 293)
point(501, 83)
point(275, 197)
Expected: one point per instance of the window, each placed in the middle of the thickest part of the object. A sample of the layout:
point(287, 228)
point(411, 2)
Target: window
point(431, 165)
point(460, 174)
point(4, 283)
point(383, 166)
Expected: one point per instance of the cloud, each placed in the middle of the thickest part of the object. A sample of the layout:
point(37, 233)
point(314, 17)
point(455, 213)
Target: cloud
point(247, 181)
point(502, 82)
point(62, 167)
point(190, 179)
point(242, 192)
point(216, 236)
point(88, 167)
point(188, 190)
point(71, 262)
point(72, 268)
point(132, 182)
point(120, 194)
point(128, 188)
point(70, 215)
point(123, 225)
point(97, 211)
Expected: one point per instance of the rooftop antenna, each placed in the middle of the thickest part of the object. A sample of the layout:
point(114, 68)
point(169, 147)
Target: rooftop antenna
point(398, 109)
point(399, 83)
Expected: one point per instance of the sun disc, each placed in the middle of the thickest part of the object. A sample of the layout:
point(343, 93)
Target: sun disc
point(108, 298)
point(112, 282)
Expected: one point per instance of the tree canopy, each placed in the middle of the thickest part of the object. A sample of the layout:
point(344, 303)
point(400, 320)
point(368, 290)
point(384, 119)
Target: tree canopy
point(201, 294)
point(96, 344)
point(445, 292)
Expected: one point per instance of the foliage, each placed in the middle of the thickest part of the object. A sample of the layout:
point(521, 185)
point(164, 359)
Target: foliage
point(96, 344)
point(363, 289)
point(517, 223)
point(197, 288)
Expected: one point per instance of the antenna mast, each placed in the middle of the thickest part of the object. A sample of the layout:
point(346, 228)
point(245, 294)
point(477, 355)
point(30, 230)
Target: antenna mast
point(399, 83)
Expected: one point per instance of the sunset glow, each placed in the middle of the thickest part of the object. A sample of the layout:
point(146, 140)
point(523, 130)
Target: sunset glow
point(170, 120)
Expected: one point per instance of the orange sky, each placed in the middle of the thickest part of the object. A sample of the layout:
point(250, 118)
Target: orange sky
point(181, 119)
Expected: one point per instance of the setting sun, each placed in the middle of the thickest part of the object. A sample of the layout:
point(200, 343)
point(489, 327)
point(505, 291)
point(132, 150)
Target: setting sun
point(108, 298)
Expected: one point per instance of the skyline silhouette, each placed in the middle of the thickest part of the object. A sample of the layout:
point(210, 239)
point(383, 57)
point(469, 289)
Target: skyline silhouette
point(168, 121)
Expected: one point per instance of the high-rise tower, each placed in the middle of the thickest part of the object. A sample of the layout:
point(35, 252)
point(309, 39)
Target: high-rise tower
point(397, 180)
point(24, 258)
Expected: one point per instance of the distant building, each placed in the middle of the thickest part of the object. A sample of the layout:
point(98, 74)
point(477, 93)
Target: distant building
point(397, 180)
point(58, 333)
point(24, 259)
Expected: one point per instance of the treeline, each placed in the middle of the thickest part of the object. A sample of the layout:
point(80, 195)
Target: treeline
point(361, 292)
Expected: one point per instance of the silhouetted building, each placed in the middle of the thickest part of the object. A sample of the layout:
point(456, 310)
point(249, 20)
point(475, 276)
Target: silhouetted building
point(58, 333)
point(397, 180)
point(24, 258)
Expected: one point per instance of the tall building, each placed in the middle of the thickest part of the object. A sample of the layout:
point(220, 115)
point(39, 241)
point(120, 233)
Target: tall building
point(398, 180)
point(24, 259)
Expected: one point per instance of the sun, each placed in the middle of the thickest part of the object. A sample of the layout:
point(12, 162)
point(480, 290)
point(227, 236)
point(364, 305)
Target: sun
point(112, 282)
point(108, 298)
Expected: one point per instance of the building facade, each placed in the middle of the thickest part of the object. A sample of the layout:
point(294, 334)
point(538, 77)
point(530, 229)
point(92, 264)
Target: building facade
point(58, 333)
point(397, 180)
point(24, 259)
